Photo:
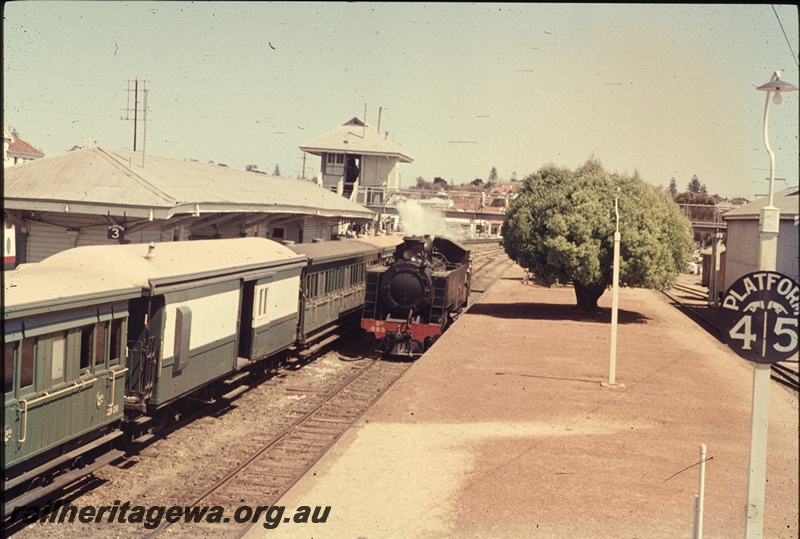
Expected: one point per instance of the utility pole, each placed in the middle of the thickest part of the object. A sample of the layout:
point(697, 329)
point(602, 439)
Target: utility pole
point(135, 110)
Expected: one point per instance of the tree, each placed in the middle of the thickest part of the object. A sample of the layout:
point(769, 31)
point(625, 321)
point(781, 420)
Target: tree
point(561, 227)
point(493, 175)
point(439, 183)
point(424, 185)
point(696, 187)
point(698, 208)
point(673, 188)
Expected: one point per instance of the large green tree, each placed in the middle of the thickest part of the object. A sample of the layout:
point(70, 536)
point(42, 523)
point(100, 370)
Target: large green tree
point(561, 227)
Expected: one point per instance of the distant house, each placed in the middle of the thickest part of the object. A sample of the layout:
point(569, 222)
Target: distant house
point(743, 236)
point(16, 150)
point(356, 155)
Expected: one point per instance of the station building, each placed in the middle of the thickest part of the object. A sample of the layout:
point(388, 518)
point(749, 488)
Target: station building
point(98, 196)
point(742, 245)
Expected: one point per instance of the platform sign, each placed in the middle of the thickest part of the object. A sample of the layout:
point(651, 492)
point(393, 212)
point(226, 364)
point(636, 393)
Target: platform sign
point(116, 232)
point(759, 316)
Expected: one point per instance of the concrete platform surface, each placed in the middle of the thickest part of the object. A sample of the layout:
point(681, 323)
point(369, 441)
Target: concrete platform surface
point(503, 429)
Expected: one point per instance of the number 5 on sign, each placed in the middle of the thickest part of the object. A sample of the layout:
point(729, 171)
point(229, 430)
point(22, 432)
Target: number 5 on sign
point(781, 329)
point(760, 316)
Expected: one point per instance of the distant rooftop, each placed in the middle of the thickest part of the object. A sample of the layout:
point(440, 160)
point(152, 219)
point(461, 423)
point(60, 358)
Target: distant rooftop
point(19, 147)
point(786, 200)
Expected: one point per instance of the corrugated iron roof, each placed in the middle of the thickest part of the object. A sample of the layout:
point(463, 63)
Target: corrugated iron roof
point(99, 178)
point(786, 201)
point(355, 137)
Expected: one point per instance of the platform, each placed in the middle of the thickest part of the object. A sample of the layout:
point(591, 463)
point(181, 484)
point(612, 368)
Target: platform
point(504, 429)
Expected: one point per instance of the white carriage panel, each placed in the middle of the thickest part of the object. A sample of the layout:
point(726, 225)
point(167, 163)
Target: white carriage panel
point(275, 300)
point(214, 318)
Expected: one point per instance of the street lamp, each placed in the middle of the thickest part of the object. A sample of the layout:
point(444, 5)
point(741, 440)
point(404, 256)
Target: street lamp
point(767, 258)
point(770, 215)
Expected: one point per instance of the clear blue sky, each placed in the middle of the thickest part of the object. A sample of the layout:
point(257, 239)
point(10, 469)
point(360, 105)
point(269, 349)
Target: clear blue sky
point(668, 90)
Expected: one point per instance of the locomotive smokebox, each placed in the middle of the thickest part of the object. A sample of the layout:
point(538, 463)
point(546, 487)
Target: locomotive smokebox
point(406, 288)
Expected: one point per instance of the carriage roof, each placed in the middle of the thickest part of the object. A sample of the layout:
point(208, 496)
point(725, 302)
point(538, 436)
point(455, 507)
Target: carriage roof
point(147, 265)
point(339, 249)
point(31, 290)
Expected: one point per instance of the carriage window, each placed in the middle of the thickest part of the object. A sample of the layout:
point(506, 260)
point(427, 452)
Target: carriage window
point(57, 370)
point(8, 366)
point(100, 349)
point(26, 363)
point(116, 340)
point(86, 347)
point(277, 233)
point(262, 302)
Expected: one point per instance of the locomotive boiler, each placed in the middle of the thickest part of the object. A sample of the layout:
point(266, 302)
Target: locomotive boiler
point(412, 300)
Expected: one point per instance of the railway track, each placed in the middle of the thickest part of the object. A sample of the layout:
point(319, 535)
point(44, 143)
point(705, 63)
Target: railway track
point(487, 266)
point(263, 478)
point(785, 372)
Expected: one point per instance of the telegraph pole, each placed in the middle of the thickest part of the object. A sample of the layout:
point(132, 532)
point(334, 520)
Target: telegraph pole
point(135, 110)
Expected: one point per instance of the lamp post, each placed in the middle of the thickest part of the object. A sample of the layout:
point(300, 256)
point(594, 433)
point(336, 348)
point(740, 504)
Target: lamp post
point(770, 215)
point(767, 256)
point(612, 371)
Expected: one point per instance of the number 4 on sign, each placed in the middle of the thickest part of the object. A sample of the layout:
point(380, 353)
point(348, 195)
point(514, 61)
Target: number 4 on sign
point(745, 334)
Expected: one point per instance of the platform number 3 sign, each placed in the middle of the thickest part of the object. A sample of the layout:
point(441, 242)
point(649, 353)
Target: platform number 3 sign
point(759, 316)
point(116, 232)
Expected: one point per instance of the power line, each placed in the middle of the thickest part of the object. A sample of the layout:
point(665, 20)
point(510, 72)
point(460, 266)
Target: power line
point(784, 33)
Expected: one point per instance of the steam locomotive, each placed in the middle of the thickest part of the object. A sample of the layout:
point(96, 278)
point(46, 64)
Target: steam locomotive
point(411, 300)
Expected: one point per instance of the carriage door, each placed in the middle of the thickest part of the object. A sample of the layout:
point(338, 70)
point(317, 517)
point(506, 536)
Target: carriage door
point(246, 320)
point(143, 325)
